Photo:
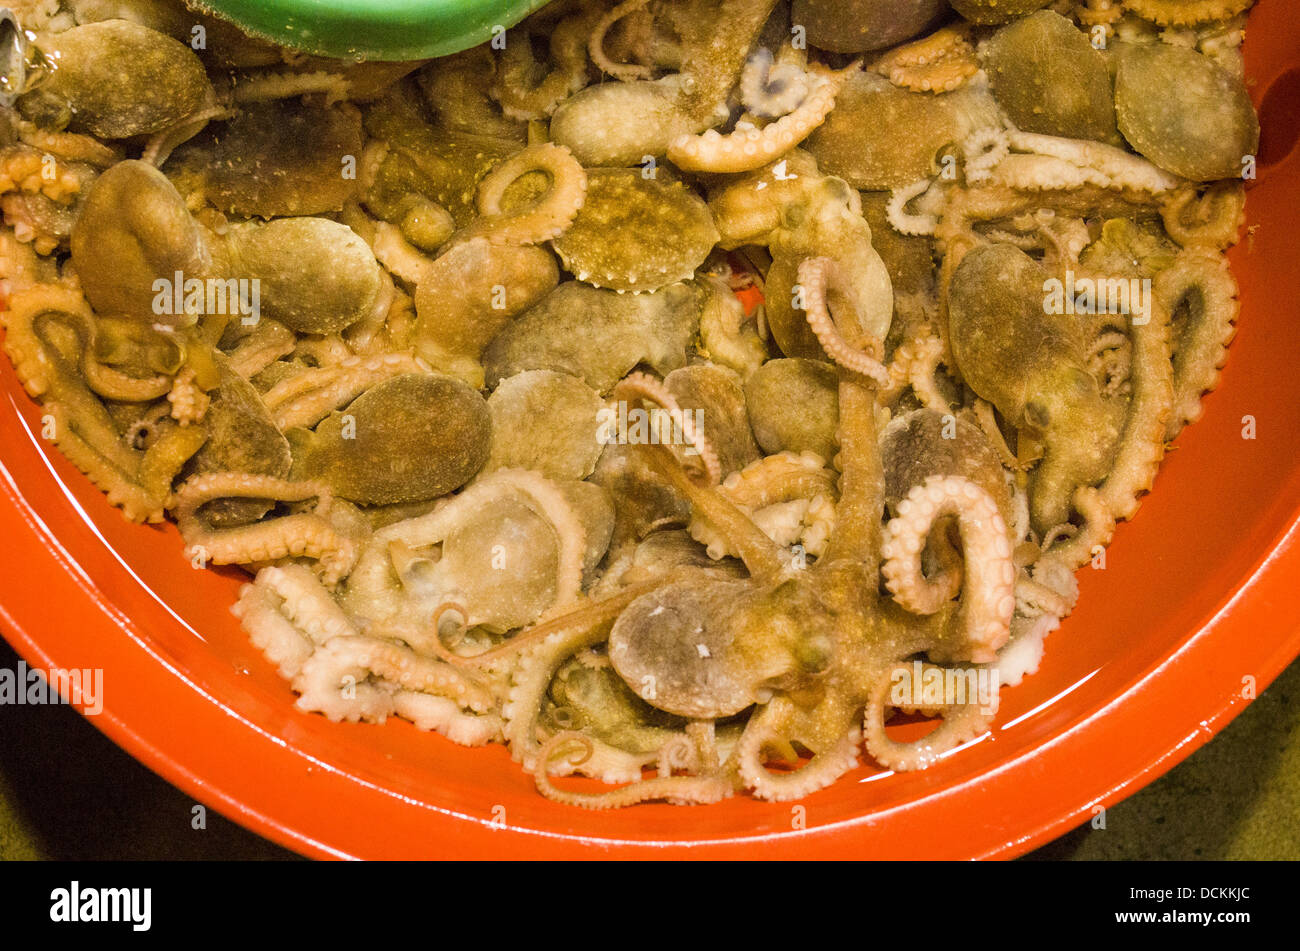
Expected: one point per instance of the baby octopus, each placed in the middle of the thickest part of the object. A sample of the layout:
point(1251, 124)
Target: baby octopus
point(668, 388)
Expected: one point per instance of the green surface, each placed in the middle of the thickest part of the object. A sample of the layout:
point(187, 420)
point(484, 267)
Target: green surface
point(374, 29)
point(66, 792)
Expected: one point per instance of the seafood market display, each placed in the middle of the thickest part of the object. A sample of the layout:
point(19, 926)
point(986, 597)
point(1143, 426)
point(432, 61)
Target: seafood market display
point(675, 391)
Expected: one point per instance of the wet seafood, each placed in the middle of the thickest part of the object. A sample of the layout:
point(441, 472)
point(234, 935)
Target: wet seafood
point(664, 389)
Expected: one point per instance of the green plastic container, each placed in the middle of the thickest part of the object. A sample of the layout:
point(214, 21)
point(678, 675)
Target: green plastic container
point(374, 29)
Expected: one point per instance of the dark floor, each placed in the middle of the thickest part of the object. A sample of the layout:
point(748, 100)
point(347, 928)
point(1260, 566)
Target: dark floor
point(1236, 798)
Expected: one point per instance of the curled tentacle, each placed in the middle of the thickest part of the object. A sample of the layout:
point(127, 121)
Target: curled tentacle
point(962, 722)
point(1211, 219)
point(1082, 542)
point(523, 93)
point(770, 89)
point(917, 224)
point(354, 677)
point(546, 648)
point(819, 278)
point(988, 598)
point(789, 496)
point(627, 72)
point(982, 150)
point(288, 614)
point(305, 534)
point(189, 403)
point(137, 482)
point(546, 218)
point(645, 387)
point(915, 364)
point(750, 148)
point(764, 730)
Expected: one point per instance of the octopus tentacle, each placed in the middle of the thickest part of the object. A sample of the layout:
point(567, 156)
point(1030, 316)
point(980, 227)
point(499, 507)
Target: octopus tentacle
point(1019, 462)
point(546, 218)
point(764, 491)
point(139, 483)
point(1201, 280)
point(1186, 12)
point(277, 637)
point(328, 350)
point(747, 149)
point(825, 767)
point(904, 221)
point(988, 598)
point(189, 403)
point(962, 722)
point(287, 614)
point(445, 716)
point(1050, 163)
point(1097, 530)
point(338, 679)
point(550, 646)
point(305, 534)
point(681, 790)
point(770, 89)
point(627, 72)
point(941, 62)
point(24, 169)
point(268, 343)
point(915, 364)
point(398, 256)
point(819, 277)
point(982, 150)
point(760, 554)
point(1142, 445)
point(645, 387)
point(524, 98)
point(583, 615)
point(1211, 219)
point(308, 397)
point(71, 146)
point(264, 85)
point(862, 485)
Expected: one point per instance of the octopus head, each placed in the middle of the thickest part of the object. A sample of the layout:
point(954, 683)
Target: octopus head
point(408, 439)
point(712, 649)
point(283, 158)
point(857, 26)
point(1031, 364)
point(987, 12)
point(313, 275)
point(133, 230)
point(117, 79)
